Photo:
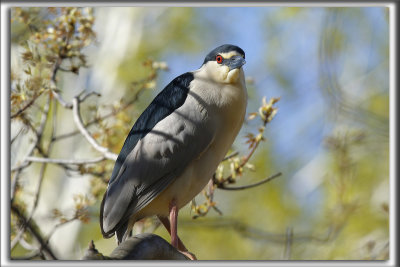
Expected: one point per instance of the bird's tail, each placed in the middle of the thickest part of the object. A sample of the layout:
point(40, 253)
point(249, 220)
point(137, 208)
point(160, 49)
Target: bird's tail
point(123, 233)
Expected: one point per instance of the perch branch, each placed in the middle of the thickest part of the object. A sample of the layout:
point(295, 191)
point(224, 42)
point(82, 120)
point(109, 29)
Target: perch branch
point(140, 247)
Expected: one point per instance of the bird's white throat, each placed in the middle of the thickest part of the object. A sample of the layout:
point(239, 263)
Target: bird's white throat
point(233, 76)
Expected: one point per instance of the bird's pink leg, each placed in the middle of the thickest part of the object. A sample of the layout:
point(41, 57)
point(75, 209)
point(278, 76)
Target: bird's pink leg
point(173, 218)
point(172, 226)
point(167, 226)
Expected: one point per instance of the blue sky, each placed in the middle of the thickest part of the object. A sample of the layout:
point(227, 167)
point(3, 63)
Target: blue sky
point(297, 59)
point(289, 47)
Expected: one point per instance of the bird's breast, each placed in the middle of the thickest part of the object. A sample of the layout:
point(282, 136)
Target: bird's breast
point(224, 109)
point(220, 109)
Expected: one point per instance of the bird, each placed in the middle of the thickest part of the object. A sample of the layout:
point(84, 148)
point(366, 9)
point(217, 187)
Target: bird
point(176, 145)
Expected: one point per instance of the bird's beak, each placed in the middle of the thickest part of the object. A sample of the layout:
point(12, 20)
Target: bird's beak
point(235, 62)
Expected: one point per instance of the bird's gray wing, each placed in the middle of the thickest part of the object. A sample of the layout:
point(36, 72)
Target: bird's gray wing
point(172, 97)
point(155, 161)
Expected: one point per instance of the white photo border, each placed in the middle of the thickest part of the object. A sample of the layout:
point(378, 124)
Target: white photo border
point(5, 130)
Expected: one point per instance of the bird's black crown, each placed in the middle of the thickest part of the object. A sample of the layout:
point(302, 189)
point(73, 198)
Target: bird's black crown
point(226, 48)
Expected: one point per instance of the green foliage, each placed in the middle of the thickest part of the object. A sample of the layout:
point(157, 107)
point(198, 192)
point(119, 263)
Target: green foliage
point(45, 44)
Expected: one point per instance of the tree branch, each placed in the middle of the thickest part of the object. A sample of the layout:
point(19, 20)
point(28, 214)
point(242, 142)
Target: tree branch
point(251, 232)
point(65, 161)
point(16, 114)
point(140, 247)
point(36, 234)
point(233, 154)
point(61, 100)
point(39, 134)
point(108, 115)
point(53, 80)
point(84, 95)
point(266, 180)
point(288, 244)
point(86, 134)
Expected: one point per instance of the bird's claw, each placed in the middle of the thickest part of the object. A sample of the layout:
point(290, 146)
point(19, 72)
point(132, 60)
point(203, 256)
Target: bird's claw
point(189, 255)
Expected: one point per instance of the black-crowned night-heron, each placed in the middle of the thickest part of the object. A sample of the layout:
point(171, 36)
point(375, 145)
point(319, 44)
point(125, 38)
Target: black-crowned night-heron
point(175, 146)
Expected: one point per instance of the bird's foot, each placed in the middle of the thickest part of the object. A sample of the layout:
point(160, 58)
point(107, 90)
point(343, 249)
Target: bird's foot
point(188, 254)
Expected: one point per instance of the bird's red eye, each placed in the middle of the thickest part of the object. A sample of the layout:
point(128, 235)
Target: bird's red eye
point(218, 59)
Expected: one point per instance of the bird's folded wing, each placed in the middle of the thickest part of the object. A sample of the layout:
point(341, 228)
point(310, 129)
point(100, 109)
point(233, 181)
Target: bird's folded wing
point(156, 160)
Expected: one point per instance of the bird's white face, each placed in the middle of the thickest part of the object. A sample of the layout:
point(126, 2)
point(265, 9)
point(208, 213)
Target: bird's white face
point(226, 68)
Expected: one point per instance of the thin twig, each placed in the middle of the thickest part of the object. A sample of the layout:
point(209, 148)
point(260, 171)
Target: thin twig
point(86, 134)
point(17, 237)
point(222, 186)
point(66, 161)
point(229, 179)
point(43, 246)
point(254, 145)
point(26, 106)
point(209, 195)
point(108, 115)
point(87, 94)
point(38, 190)
point(50, 146)
point(288, 244)
point(50, 234)
point(21, 166)
point(60, 100)
point(53, 80)
point(16, 136)
point(251, 232)
point(233, 154)
point(39, 134)
point(14, 181)
point(26, 245)
point(43, 121)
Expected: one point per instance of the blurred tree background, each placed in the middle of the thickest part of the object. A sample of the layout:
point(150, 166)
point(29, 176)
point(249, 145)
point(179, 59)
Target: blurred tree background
point(330, 137)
